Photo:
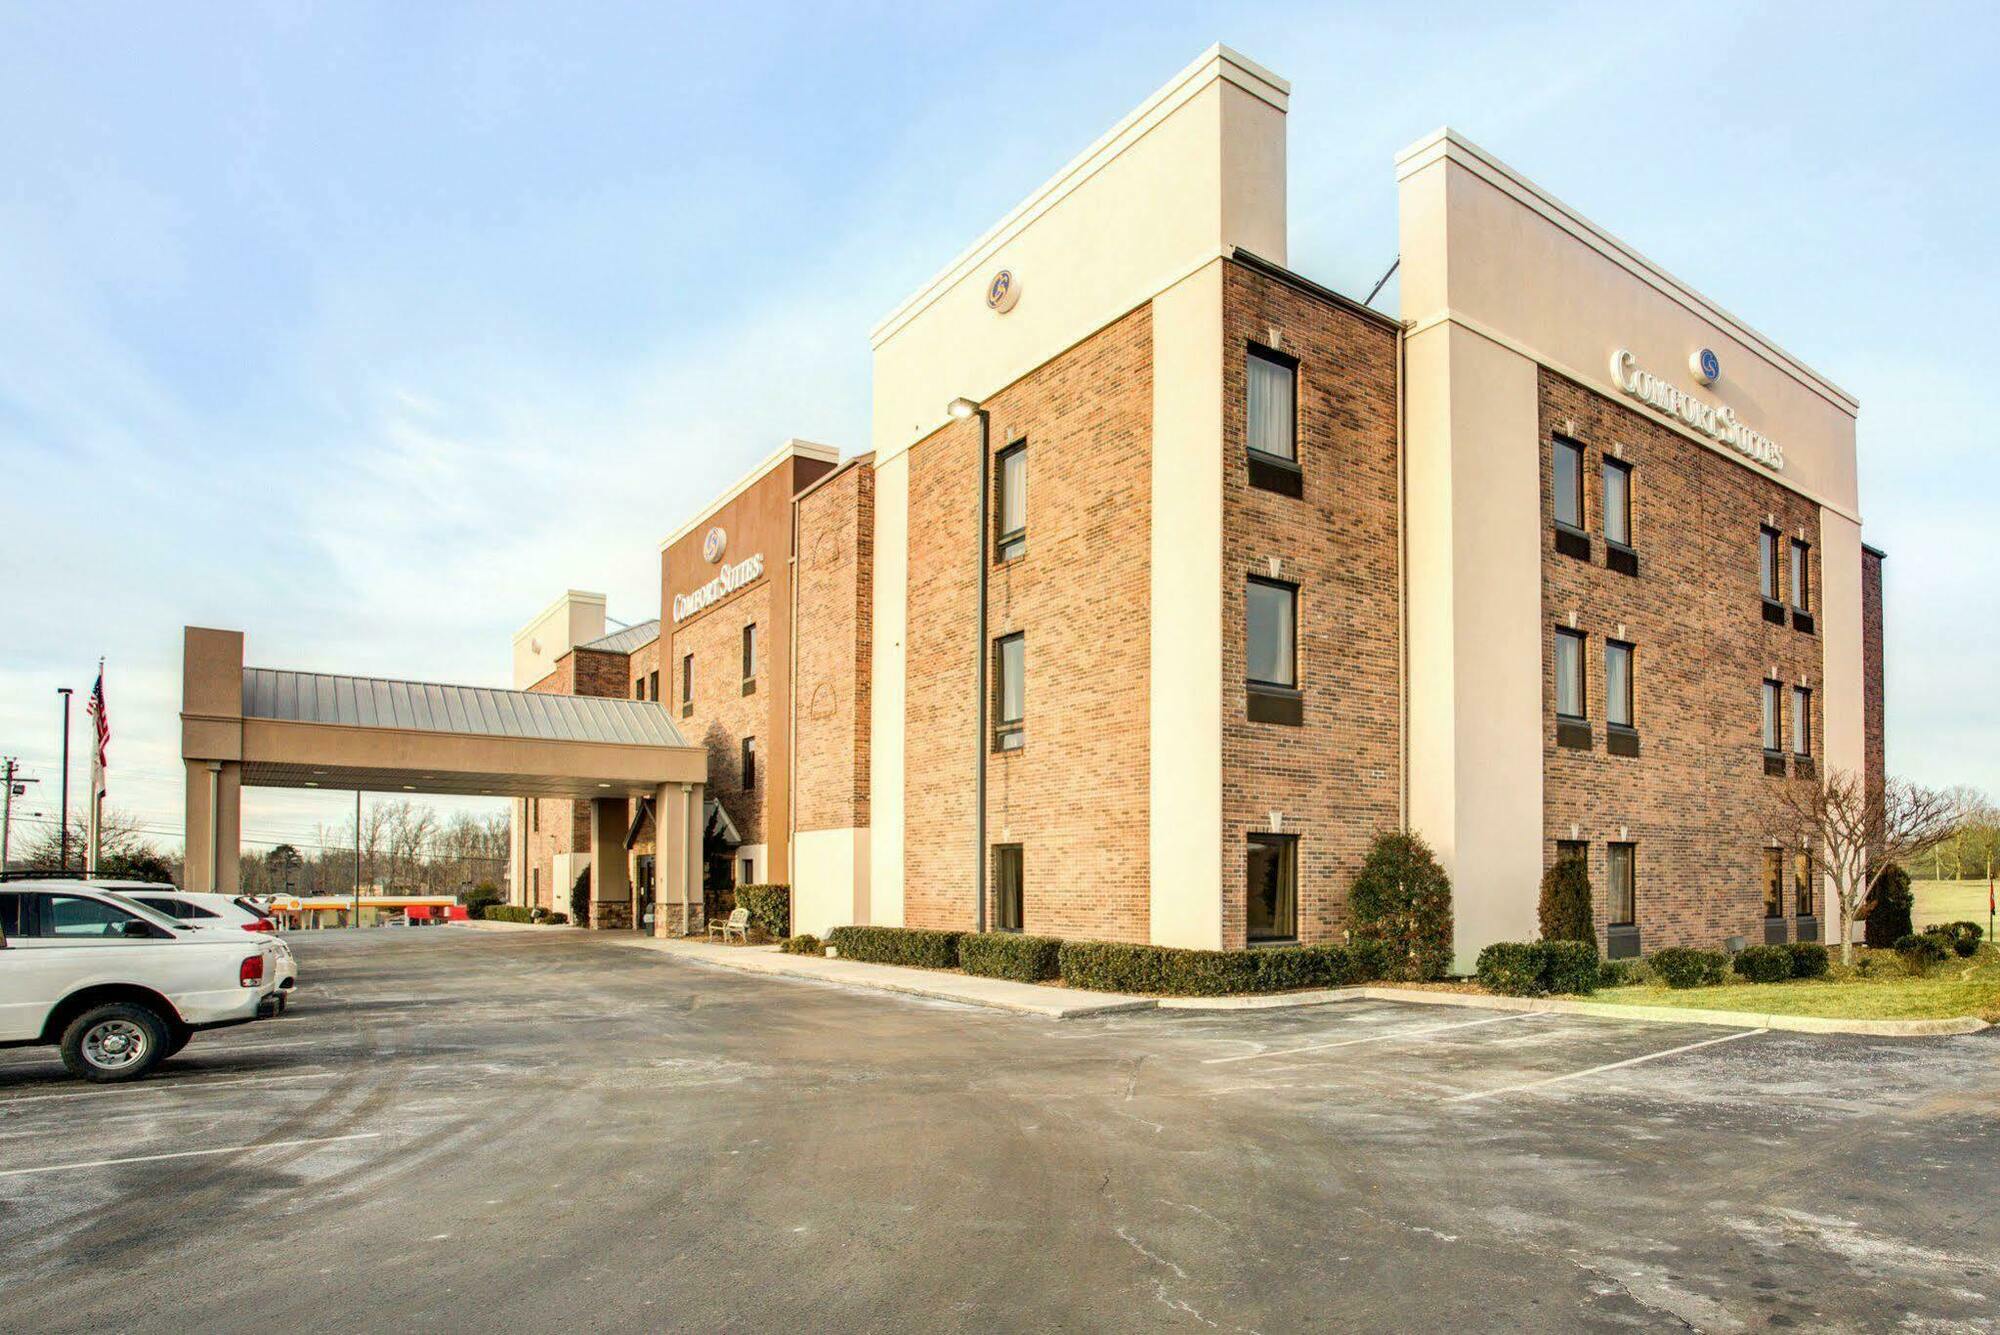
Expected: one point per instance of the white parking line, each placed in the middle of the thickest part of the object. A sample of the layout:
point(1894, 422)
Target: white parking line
point(1372, 1038)
point(189, 1154)
point(1608, 1066)
point(171, 1086)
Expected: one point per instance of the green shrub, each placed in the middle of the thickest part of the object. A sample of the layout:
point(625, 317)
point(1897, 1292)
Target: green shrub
point(1963, 937)
point(1534, 968)
point(1619, 973)
point(1402, 898)
point(1809, 959)
point(770, 908)
point(1684, 966)
point(803, 944)
point(1764, 964)
point(482, 897)
point(1025, 959)
point(1886, 915)
point(554, 919)
point(1565, 908)
point(508, 913)
point(917, 947)
point(1920, 953)
point(1369, 961)
point(1111, 966)
point(1512, 968)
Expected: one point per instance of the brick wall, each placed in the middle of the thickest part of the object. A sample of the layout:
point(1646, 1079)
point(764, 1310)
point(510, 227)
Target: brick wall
point(645, 661)
point(1336, 780)
point(723, 715)
point(557, 824)
point(835, 610)
point(1076, 795)
point(1874, 719)
point(1691, 801)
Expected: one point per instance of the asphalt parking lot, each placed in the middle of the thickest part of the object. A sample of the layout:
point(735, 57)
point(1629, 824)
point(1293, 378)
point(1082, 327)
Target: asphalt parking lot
point(457, 1130)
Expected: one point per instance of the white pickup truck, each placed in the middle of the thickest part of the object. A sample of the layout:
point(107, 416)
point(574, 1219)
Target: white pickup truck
point(117, 986)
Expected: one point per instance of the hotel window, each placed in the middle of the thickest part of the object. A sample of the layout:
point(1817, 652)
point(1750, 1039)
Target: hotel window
point(687, 685)
point(1618, 684)
point(1774, 728)
point(750, 658)
point(535, 814)
point(1007, 877)
point(1010, 691)
point(638, 688)
point(1618, 502)
point(1800, 551)
point(653, 685)
point(1802, 884)
point(1271, 865)
point(1010, 501)
point(746, 871)
point(1801, 721)
point(749, 763)
point(1567, 501)
point(1571, 702)
point(1768, 575)
point(535, 885)
point(1774, 882)
point(1573, 848)
point(1623, 860)
point(1272, 420)
point(1271, 651)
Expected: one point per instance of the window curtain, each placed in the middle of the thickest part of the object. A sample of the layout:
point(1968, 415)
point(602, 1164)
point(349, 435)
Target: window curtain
point(1272, 413)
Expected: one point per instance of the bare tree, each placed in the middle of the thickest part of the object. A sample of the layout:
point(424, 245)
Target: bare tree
point(1858, 833)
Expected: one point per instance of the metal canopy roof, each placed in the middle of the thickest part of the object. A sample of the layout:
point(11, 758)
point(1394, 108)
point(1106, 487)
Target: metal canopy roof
point(423, 706)
point(627, 640)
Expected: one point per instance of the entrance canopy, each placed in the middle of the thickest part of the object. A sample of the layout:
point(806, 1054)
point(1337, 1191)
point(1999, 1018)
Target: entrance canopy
point(284, 729)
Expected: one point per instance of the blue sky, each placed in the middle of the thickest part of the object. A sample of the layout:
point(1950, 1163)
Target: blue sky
point(369, 328)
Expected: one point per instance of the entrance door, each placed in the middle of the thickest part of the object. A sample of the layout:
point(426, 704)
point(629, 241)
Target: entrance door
point(642, 892)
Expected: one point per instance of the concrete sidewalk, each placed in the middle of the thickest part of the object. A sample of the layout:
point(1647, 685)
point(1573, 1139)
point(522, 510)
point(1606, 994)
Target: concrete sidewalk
point(1055, 1003)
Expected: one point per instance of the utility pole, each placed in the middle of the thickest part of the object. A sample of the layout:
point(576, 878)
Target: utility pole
point(62, 829)
point(11, 770)
point(357, 857)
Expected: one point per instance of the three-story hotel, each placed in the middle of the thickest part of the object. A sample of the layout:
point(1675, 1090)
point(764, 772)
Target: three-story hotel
point(1170, 577)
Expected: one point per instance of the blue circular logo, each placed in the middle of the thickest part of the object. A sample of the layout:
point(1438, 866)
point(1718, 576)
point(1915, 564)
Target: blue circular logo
point(712, 544)
point(1707, 366)
point(1003, 291)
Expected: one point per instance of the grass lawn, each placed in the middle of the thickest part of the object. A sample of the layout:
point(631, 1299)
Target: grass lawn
point(1948, 901)
point(1957, 987)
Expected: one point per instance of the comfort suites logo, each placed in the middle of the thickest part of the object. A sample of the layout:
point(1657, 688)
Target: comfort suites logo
point(1717, 422)
point(712, 545)
point(727, 581)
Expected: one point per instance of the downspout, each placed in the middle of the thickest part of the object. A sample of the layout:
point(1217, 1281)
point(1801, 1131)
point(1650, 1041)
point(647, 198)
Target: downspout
point(1402, 579)
point(979, 701)
point(792, 715)
point(215, 826)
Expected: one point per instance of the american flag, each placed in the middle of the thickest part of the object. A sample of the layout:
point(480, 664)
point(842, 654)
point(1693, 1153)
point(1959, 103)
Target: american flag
point(102, 718)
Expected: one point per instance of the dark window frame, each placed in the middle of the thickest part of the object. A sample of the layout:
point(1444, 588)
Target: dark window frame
point(1624, 469)
point(1287, 848)
point(1805, 901)
point(1631, 703)
point(1799, 585)
point(1801, 698)
point(1771, 729)
point(1612, 890)
point(1009, 543)
point(653, 685)
point(748, 751)
point(1003, 919)
point(1582, 642)
point(1557, 445)
point(1291, 589)
point(1774, 884)
point(687, 684)
point(1771, 541)
point(1255, 351)
point(1009, 734)
point(639, 687)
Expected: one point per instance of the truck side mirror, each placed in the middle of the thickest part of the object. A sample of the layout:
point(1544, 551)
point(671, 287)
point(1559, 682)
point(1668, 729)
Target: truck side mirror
point(134, 927)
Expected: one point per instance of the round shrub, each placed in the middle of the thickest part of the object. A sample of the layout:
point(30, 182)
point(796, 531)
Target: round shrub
point(1569, 966)
point(1809, 959)
point(1765, 964)
point(1565, 907)
point(1512, 968)
point(1920, 953)
point(1964, 938)
point(1684, 967)
point(770, 908)
point(1369, 961)
point(1886, 915)
point(805, 943)
point(1402, 897)
point(1618, 973)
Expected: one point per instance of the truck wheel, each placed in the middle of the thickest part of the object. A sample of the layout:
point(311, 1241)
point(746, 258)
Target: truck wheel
point(119, 1041)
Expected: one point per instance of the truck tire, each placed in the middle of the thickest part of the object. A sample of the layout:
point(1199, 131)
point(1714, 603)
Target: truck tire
point(122, 1040)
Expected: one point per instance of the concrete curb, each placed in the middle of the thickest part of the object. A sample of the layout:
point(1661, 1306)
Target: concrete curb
point(1611, 1010)
point(1051, 1003)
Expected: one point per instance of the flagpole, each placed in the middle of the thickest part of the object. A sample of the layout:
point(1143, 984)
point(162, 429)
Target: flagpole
point(94, 840)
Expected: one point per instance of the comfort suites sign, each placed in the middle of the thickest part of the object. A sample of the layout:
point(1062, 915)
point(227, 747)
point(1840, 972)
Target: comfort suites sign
point(1716, 421)
point(727, 580)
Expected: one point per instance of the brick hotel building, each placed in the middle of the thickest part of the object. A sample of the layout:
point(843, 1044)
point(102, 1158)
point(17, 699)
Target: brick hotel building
point(1171, 577)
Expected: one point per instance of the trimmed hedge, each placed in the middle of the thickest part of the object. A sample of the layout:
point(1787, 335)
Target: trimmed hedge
point(1114, 966)
point(1401, 898)
point(553, 920)
point(1536, 968)
point(803, 944)
point(1764, 964)
point(1919, 953)
point(770, 908)
point(1684, 967)
point(508, 913)
point(1619, 973)
point(1025, 959)
point(915, 946)
point(1565, 905)
point(1809, 959)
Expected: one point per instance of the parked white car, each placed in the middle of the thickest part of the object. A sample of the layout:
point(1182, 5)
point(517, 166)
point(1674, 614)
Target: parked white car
point(117, 986)
point(213, 913)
